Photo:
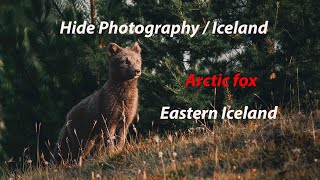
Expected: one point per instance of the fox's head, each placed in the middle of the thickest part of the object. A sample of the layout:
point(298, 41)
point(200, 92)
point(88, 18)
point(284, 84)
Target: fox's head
point(125, 63)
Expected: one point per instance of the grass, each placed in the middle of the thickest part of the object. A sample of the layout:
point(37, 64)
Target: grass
point(286, 148)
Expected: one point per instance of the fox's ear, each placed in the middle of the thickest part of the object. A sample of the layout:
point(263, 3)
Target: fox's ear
point(136, 48)
point(113, 49)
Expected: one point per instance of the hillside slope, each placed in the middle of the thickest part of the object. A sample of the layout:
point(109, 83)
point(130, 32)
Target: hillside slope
point(288, 147)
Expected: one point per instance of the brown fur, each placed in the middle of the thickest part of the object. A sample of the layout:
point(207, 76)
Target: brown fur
point(100, 122)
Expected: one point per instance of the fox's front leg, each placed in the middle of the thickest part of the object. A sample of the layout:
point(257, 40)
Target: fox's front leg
point(122, 137)
point(110, 134)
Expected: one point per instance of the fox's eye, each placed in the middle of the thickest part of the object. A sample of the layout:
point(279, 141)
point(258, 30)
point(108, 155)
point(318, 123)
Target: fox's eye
point(122, 61)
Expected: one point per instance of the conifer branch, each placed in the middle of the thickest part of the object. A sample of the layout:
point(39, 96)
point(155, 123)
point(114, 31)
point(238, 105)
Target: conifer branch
point(57, 9)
